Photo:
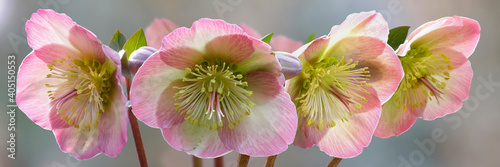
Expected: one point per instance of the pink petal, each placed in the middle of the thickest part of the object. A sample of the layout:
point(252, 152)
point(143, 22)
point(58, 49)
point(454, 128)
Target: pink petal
point(229, 48)
point(32, 97)
point(181, 58)
point(394, 121)
point(114, 121)
point(79, 144)
point(271, 125)
point(456, 90)
point(250, 31)
point(86, 43)
point(370, 24)
point(157, 30)
point(316, 50)
point(48, 27)
point(262, 59)
point(202, 32)
point(347, 138)
point(300, 137)
point(457, 33)
point(282, 43)
point(152, 92)
point(197, 141)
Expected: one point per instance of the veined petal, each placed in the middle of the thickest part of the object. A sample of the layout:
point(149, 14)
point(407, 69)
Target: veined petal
point(457, 33)
point(456, 90)
point(229, 48)
point(383, 64)
point(157, 30)
point(271, 125)
point(393, 121)
point(346, 139)
point(47, 27)
point(369, 24)
point(114, 121)
point(301, 139)
point(86, 43)
point(79, 144)
point(152, 93)
point(262, 59)
point(197, 141)
point(32, 97)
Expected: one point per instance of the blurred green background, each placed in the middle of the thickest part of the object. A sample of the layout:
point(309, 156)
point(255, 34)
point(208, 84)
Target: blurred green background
point(472, 134)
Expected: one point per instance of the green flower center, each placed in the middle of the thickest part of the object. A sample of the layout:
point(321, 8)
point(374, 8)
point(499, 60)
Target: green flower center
point(425, 76)
point(80, 98)
point(326, 97)
point(213, 96)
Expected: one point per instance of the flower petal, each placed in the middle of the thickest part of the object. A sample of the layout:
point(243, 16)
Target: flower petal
point(456, 90)
point(200, 142)
point(181, 58)
point(271, 125)
point(47, 27)
point(282, 43)
point(114, 121)
point(152, 94)
point(229, 48)
point(86, 43)
point(32, 97)
point(300, 137)
point(79, 144)
point(157, 30)
point(458, 33)
point(394, 121)
point(369, 24)
point(347, 138)
point(262, 59)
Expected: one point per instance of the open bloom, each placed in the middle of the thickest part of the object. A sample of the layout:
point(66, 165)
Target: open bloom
point(346, 76)
point(212, 89)
point(70, 84)
point(437, 74)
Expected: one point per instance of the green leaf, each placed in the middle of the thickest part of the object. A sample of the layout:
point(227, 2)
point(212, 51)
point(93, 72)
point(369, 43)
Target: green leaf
point(311, 37)
point(397, 36)
point(267, 38)
point(117, 41)
point(135, 42)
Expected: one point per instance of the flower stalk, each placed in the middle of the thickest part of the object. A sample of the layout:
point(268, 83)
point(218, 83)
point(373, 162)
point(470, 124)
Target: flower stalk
point(334, 162)
point(134, 125)
point(271, 160)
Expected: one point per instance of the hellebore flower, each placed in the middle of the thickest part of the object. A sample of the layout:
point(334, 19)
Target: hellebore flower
point(157, 30)
point(346, 76)
point(437, 74)
point(70, 84)
point(212, 89)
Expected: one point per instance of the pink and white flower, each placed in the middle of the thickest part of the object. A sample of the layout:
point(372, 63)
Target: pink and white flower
point(346, 77)
point(212, 89)
point(437, 74)
point(70, 84)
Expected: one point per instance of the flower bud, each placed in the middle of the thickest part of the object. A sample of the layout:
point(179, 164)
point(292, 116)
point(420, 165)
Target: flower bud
point(290, 65)
point(138, 57)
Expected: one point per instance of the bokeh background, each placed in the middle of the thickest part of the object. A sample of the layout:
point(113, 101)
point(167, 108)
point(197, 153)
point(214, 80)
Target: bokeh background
point(472, 136)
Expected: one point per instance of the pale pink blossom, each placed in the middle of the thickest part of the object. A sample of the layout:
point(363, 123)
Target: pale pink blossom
point(70, 84)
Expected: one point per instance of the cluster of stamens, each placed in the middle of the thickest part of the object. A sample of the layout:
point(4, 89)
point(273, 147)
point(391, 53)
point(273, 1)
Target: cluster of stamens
point(213, 88)
point(83, 92)
point(425, 76)
point(326, 96)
